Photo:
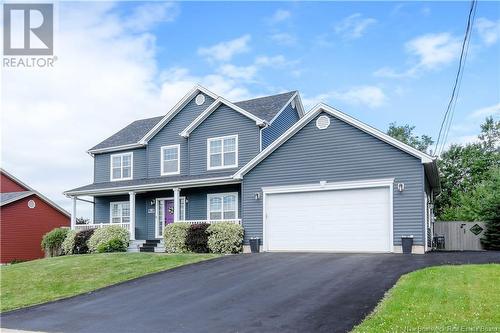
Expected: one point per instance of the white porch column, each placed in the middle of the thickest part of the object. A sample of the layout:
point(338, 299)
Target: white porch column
point(132, 214)
point(177, 205)
point(73, 214)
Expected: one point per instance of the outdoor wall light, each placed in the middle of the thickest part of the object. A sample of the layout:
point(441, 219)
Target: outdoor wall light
point(152, 202)
point(257, 195)
point(401, 187)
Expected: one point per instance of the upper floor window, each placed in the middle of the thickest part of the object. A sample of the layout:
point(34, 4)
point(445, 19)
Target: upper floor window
point(170, 160)
point(120, 212)
point(121, 166)
point(222, 152)
point(222, 206)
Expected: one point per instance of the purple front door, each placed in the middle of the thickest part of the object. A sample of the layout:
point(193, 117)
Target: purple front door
point(169, 211)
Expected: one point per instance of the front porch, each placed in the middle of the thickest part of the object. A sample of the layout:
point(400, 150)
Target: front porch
point(145, 213)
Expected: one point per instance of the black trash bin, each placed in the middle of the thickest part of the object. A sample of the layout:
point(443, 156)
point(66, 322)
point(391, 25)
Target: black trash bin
point(407, 243)
point(255, 244)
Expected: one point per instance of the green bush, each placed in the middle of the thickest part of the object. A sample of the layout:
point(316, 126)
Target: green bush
point(113, 245)
point(175, 235)
point(52, 241)
point(225, 237)
point(69, 242)
point(105, 235)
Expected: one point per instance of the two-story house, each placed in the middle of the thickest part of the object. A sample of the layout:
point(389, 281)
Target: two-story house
point(321, 181)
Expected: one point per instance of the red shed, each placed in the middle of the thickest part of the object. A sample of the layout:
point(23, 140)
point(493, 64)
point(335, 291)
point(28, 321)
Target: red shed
point(25, 216)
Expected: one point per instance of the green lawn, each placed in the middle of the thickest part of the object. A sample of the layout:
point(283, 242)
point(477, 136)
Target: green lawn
point(49, 279)
point(440, 299)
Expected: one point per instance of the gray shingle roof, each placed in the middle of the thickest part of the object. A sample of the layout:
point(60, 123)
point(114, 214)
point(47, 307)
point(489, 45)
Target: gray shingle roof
point(130, 134)
point(13, 196)
point(266, 107)
point(263, 107)
point(147, 181)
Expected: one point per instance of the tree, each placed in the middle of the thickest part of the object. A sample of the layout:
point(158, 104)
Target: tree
point(490, 212)
point(82, 220)
point(463, 167)
point(405, 134)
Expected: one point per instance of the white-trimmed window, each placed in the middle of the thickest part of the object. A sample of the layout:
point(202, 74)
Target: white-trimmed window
point(222, 206)
point(121, 166)
point(222, 152)
point(119, 212)
point(170, 160)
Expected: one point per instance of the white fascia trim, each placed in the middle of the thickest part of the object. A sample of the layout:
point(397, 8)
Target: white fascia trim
point(177, 107)
point(300, 106)
point(40, 195)
point(162, 162)
point(343, 185)
point(150, 187)
point(116, 148)
point(218, 102)
point(342, 116)
point(283, 108)
point(27, 194)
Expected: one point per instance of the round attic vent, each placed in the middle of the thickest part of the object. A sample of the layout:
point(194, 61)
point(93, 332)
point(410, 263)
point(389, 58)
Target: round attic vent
point(200, 99)
point(31, 204)
point(293, 104)
point(322, 122)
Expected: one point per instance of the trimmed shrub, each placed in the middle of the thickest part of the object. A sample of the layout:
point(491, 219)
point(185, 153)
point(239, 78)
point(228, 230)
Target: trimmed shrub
point(69, 242)
point(81, 239)
point(175, 235)
point(52, 242)
point(225, 237)
point(105, 235)
point(113, 245)
point(197, 238)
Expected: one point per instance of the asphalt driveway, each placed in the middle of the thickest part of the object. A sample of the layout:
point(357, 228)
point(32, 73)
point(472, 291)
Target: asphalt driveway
point(268, 292)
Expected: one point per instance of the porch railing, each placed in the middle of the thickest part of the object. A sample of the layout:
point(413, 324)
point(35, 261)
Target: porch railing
point(80, 227)
point(236, 221)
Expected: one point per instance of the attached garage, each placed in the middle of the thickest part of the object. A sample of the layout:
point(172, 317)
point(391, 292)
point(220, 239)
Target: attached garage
point(329, 217)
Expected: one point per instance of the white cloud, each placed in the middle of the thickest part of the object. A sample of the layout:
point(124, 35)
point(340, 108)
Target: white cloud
point(284, 39)
point(493, 110)
point(224, 51)
point(279, 16)
point(427, 52)
point(249, 72)
point(354, 26)
point(147, 15)
point(489, 31)
point(369, 96)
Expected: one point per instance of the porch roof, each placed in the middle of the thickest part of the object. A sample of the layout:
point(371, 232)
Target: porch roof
point(148, 184)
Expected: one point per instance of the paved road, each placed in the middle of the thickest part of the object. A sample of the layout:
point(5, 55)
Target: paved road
point(268, 292)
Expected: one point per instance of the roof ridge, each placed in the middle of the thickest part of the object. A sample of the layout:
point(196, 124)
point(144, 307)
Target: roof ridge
point(267, 96)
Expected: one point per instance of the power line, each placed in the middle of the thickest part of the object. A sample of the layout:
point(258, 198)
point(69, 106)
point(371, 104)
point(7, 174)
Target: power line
point(450, 109)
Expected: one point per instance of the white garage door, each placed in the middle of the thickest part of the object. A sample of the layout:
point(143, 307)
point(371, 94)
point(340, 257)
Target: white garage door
point(354, 220)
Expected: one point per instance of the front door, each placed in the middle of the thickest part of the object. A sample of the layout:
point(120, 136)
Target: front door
point(164, 215)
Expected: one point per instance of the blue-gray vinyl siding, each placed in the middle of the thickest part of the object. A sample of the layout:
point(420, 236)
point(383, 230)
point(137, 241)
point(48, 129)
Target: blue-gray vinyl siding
point(222, 122)
point(169, 135)
point(284, 121)
point(102, 167)
point(339, 153)
point(196, 206)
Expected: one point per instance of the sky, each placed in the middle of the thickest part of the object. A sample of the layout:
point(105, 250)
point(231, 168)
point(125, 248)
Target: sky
point(380, 62)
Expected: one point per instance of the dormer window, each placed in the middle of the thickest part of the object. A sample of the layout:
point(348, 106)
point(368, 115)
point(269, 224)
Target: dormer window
point(222, 152)
point(121, 166)
point(170, 160)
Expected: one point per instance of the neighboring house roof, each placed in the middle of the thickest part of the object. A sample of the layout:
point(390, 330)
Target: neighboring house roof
point(152, 183)
point(267, 107)
point(129, 135)
point(426, 159)
point(27, 193)
point(6, 198)
point(214, 106)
